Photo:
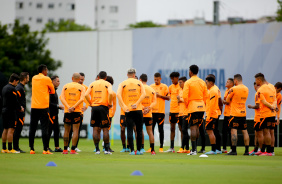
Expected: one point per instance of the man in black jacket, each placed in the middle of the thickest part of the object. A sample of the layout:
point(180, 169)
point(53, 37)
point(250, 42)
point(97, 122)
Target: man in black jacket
point(9, 112)
point(54, 111)
point(24, 78)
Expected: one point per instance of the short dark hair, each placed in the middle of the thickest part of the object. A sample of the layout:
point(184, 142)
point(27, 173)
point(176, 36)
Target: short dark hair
point(278, 85)
point(238, 77)
point(143, 77)
point(260, 76)
point(211, 75)
point(184, 79)
point(41, 68)
point(14, 77)
point(174, 74)
point(23, 75)
point(194, 69)
point(81, 74)
point(110, 80)
point(157, 74)
point(102, 75)
point(210, 79)
point(232, 80)
point(54, 77)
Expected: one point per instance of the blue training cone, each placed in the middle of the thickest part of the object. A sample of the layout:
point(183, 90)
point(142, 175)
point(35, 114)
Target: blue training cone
point(52, 164)
point(137, 173)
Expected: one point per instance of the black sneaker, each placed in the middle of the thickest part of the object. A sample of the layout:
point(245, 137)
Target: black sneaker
point(246, 153)
point(58, 150)
point(50, 150)
point(232, 153)
point(19, 150)
point(110, 150)
point(202, 151)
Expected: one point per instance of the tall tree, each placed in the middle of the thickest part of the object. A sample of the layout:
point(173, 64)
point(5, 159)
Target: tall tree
point(65, 25)
point(279, 11)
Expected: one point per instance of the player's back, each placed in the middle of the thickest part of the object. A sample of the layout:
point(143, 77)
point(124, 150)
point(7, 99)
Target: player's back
point(174, 92)
point(238, 103)
point(131, 93)
point(267, 92)
point(72, 95)
point(99, 93)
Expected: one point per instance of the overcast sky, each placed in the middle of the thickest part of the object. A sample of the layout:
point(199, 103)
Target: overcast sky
point(161, 10)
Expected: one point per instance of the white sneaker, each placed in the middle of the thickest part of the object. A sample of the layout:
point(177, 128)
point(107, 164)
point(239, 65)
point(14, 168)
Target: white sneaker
point(77, 150)
point(170, 150)
point(273, 154)
point(97, 153)
point(107, 152)
point(192, 153)
point(68, 148)
point(230, 151)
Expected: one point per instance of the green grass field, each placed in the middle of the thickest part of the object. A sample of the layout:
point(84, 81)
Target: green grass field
point(87, 167)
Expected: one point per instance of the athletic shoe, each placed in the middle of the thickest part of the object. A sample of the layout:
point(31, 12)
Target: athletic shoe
point(273, 154)
point(32, 152)
point(232, 153)
point(218, 152)
point(180, 150)
point(65, 152)
point(252, 152)
point(153, 153)
point(149, 150)
point(266, 154)
point(77, 150)
point(223, 150)
point(69, 149)
point(170, 150)
point(258, 153)
point(122, 151)
point(73, 152)
point(94, 150)
point(107, 152)
point(4, 151)
point(103, 149)
point(192, 153)
point(186, 151)
point(97, 152)
point(246, 153)
point(110, 150)
point(132, 153)
point(142, 150)
point(49, 149)
point(13, 151)
point(19, 150)
point(211, 153)
point(202, 151)
point(47, 153)
point(127, 150)
point(161, 150)
point(139, 153)
point(58, 150)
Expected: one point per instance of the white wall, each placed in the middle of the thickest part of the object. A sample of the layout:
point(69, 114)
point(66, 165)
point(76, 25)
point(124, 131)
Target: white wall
point(7, 17)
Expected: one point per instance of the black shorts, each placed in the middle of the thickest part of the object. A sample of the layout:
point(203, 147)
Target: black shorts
point(9, 119)
point(20, 119)
point(158, 118)
point(122, 121)
point(195, 118)
point(148, 121)
point(72, 118)
point(210, 125)
point(238, 123)
point(267, 122)
point(257, 126)
point(173, 118)
point(181, 121)
point(100, 117)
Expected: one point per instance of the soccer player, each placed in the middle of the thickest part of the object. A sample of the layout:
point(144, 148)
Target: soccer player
point(148, 103)
point(72, 97)
point(182, 119)
point(54, 112)
point(257, 129)
point(211, 113)
point(226, 133)
point(159, 109)
point(101, 95)
point(267, 97)
point(9, 113)
point(278, 87)
point(194, 95)
point(130, 94)
point(42, 87)
point(237, 97)
point(24, 79)
point(173, 92)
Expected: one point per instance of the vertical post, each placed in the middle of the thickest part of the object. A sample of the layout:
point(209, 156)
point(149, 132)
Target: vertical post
point(98, 34)
point(216, 12)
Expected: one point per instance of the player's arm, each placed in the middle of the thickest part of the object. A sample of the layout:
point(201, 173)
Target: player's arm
point(185, 93)
point(120, 101)
point(229, 96)
point(87, 94)
point(114, 104)
point(154, 101)
point(16, 101)
point(50, 86)
point(212, 103)
point(220, 104)
point(63, 98)
point(279, 111)
point(264, 102)
point(110, 92)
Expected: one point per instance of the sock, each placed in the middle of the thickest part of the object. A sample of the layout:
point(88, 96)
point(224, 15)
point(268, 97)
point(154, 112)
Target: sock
point(246, 149)
point(142, 146)
point(263, 148)
point(256, 149)
point(161, 146)
point(97, 147)
point(65, 147)
point(4, 146)
point(73, 147)
point(127, 146)
point(187, 145)
point(106, 146)
point(233, 148)
point(171, 144)
point(10, 146)
point(152, 147)
point(272, 149)
point(194, 146)
point(123, 145)
point(213, 147)
point(268, 148)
